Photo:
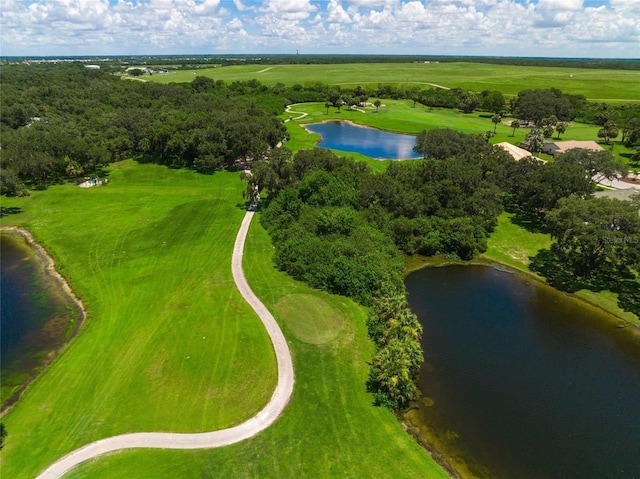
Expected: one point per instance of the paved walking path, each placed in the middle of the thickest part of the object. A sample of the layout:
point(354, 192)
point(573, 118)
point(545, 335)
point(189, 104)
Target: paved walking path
point(223, 437)
point(289, 110)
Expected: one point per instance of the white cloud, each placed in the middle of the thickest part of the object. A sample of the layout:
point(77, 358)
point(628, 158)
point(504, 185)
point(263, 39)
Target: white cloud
point(474, 27)
point(336, 13)
point(560, 4)
point(290, 9)
point(207, 7)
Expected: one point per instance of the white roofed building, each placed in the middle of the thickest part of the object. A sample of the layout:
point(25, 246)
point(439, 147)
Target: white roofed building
point(516, 152)
point(553, 148)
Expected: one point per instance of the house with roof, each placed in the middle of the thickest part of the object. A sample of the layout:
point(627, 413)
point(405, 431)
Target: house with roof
point(516, 152)
point(556, 147)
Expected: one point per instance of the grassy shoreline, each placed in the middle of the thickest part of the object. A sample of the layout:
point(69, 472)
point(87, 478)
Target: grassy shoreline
point(506, 254)
point(400, 116)
point(62, 286)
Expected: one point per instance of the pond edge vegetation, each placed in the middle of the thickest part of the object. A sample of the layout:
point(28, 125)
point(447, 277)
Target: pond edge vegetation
point(49, 267)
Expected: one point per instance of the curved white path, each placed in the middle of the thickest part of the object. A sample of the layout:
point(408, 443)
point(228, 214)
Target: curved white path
point(223, 437)
point(289, 110)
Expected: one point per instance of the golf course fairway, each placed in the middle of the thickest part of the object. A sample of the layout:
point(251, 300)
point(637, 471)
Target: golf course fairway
point(170, 345)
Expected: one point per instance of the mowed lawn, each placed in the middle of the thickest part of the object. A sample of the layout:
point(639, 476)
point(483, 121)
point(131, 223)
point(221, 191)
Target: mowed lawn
point(618, 86)
point(169, 343)
point(329, 430)
point(401, 116)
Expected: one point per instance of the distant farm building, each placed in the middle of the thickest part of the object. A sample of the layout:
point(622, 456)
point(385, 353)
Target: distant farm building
point(92, 67)
point(553, 148)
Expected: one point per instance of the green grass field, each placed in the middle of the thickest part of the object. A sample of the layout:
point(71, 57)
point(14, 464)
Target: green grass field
point(170, 345)
point(615, 86)
point(400, 116)
point(328, 430)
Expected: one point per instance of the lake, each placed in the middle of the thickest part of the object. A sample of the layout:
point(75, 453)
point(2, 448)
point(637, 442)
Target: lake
point(379, 144)
point(522, 381)
point(36, 316)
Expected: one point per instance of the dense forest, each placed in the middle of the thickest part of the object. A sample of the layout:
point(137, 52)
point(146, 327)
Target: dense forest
point(340, 227)
point(336, 224)
point(70, 122)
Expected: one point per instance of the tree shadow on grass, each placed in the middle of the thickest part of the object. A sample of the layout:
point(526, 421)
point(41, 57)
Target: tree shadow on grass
point(617, 279)
point(532, 221)
point(9, 210)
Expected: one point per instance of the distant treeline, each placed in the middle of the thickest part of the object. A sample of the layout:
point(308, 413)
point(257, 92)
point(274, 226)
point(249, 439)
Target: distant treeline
point(193, 61)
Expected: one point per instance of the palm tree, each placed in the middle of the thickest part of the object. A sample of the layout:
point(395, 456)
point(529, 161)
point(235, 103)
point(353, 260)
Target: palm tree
point(327, 105)
point(561, 127)
point(515, 124)
point(534, 141)
point(608, 131)
point(394, 371)
point(377, 104)
point(496, 119)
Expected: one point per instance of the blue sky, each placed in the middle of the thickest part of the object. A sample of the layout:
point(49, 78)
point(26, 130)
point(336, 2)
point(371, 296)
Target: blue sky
point(563, 28)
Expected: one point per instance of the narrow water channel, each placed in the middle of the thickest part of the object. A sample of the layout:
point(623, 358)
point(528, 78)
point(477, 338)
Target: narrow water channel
point(36, 316)
point(522, 381)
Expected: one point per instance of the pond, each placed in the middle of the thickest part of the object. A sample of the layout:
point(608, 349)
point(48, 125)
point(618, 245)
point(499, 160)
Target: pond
point(36, 316)
point(523, 381)
point(379, 144)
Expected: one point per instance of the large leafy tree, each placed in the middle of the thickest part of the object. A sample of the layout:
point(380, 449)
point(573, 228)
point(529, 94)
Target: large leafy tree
point(595, 235)
point(492, 101)
point(597, 165)
point(546, 184)
point(446, 143)
point(534, 105)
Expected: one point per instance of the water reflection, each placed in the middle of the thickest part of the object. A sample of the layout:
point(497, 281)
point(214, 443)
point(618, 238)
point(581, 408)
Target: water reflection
point(528, 382)
point(346, 136)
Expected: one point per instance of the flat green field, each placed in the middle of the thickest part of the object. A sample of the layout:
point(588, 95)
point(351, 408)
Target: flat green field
point(169, 344)
point(596, 84)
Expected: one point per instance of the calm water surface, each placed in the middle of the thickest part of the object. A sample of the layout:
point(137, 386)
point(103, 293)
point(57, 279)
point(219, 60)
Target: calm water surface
point(36, 318)
point(345, 136)
point(534, 385)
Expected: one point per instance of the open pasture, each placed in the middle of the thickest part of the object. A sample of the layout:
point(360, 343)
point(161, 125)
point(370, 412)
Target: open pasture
point(614, 86)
